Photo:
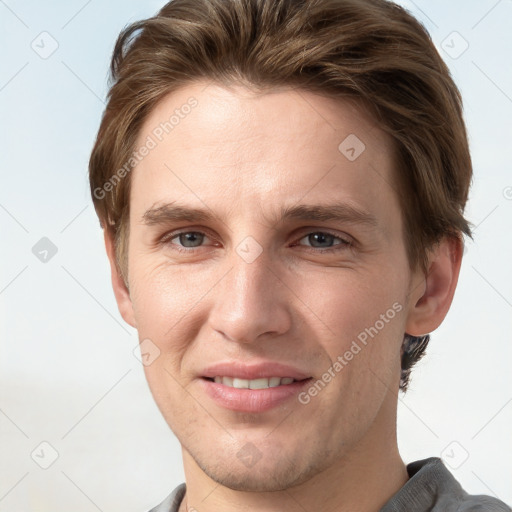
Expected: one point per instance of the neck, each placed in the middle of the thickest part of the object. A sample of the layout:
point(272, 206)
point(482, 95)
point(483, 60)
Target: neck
point(362, 480)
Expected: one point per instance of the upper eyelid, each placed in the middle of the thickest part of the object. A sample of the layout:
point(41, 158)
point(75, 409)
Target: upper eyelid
point(173, 234)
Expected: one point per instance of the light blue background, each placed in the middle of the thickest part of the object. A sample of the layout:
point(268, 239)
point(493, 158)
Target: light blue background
point(68, 372)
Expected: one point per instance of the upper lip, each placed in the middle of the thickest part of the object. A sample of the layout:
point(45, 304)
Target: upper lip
point(264, 369)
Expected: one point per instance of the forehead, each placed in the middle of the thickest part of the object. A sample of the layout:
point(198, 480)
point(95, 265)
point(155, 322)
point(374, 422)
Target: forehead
point(236, 150)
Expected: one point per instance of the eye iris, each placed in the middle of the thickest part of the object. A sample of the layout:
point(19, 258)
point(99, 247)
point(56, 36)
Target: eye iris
point(192, 236)
point(321, 238)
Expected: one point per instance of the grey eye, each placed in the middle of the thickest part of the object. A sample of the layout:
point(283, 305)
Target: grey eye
point(190, 238)
point(319, 239)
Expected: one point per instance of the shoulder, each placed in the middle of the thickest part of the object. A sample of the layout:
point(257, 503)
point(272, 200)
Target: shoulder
point(431, 487)
point(450, 494)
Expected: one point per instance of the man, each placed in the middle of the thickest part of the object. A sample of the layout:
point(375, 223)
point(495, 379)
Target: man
point(281, 186)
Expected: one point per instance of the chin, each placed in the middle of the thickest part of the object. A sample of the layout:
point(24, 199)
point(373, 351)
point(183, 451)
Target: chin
point(272, 475)
point(251, 481)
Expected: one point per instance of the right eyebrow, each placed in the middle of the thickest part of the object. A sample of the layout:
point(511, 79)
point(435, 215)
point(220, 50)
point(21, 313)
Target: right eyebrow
point(172, 213)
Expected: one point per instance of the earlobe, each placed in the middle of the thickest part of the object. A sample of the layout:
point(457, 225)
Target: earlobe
point(434, 294)
point(121, 292)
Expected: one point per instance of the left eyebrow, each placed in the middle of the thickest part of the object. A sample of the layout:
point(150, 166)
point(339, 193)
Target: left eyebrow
point(340, 212)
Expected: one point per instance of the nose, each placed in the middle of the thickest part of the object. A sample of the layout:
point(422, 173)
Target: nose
point(251, 302)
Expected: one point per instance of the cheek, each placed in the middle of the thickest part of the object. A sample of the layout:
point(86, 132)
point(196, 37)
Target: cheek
point(169, 307)
point(345, 303)
point(363, 318)
point(162, 294)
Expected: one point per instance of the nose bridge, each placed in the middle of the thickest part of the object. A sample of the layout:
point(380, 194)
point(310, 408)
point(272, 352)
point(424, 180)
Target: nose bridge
point(252, 279)
point(250, 301)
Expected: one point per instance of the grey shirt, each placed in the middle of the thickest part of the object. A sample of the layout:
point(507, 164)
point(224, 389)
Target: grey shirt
point(431, 487)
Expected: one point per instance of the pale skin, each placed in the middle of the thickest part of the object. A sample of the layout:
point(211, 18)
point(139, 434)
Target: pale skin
point(243, 156)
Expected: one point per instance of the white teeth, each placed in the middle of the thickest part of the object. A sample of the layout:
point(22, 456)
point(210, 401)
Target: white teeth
point(274, 381)
point(262, 383)
point(258, 384)
point(240, 383)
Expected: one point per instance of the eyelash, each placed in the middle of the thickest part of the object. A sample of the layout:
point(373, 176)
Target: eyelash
point(344, 244)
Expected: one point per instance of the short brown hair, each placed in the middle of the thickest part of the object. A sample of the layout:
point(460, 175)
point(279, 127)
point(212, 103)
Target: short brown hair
point(370, 50)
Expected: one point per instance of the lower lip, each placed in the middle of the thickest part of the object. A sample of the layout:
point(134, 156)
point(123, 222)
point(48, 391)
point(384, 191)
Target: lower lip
point(252, 400)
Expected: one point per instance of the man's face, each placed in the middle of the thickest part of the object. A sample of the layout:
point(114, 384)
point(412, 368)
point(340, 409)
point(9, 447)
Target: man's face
point(246, 286)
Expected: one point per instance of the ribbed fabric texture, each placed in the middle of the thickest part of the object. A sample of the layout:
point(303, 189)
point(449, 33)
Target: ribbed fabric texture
point(431, 487)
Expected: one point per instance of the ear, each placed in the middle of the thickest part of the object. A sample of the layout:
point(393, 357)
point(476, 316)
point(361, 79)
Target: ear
point(431, 295)
point(124, 302)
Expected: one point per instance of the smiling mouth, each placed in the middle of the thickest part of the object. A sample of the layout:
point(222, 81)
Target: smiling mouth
point(260, 383)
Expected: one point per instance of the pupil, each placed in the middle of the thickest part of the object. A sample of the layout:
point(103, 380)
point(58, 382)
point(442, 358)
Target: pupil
point(321, 237)
point(185, 238)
